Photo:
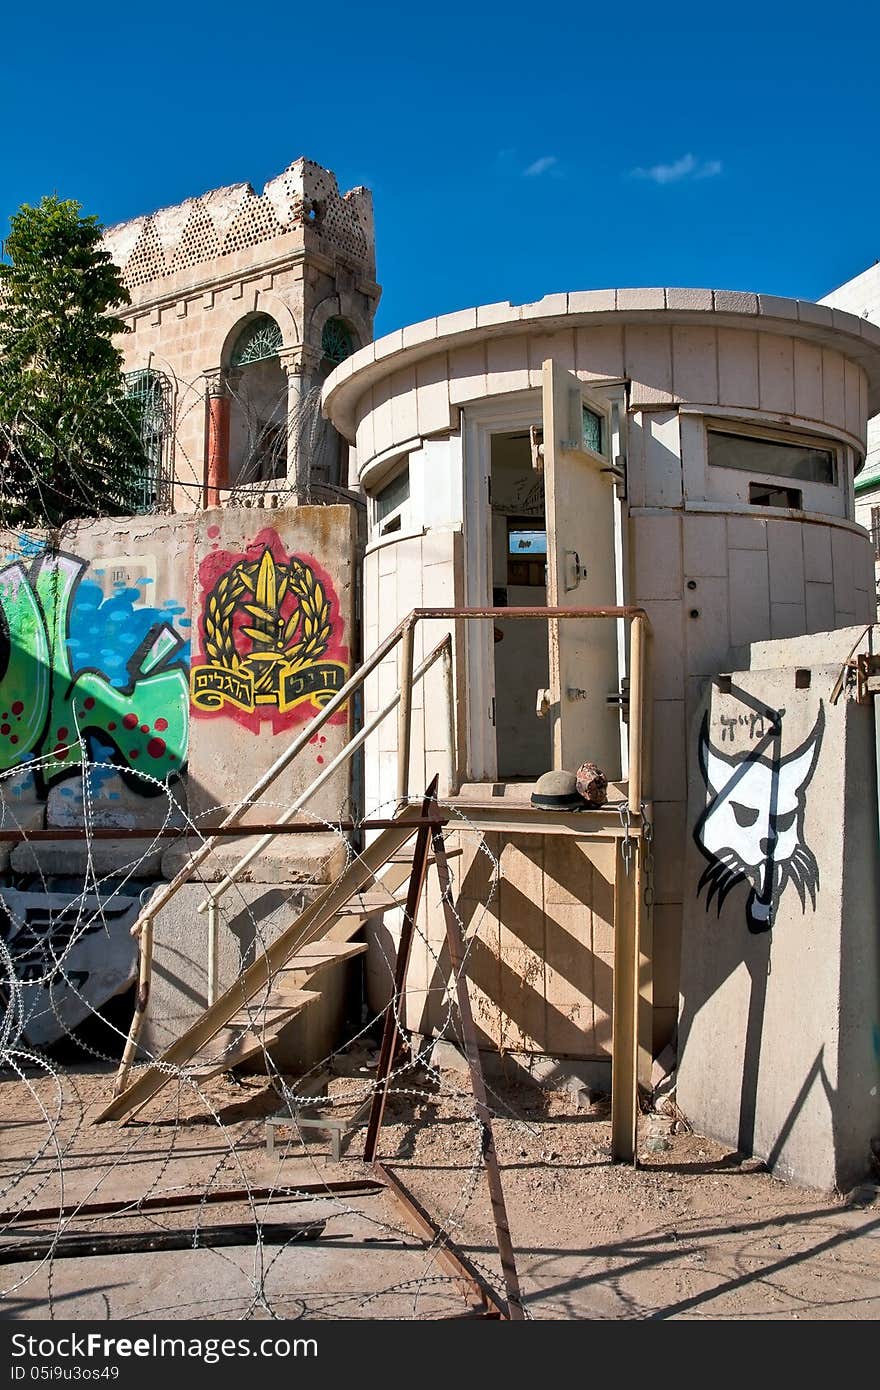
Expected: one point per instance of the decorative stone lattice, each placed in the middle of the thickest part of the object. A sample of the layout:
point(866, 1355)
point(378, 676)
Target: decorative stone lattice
point(232, 219)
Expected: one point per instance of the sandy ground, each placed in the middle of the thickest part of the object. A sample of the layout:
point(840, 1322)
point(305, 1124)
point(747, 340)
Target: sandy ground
point(689, 1233)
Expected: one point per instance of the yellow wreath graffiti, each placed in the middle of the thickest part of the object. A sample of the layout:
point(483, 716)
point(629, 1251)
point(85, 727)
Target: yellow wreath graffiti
point(283, 667)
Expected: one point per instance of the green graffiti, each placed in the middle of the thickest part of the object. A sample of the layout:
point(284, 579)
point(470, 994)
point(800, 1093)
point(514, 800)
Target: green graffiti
point(49, 714)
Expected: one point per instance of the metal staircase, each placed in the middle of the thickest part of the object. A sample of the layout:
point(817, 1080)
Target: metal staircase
point(274, 989)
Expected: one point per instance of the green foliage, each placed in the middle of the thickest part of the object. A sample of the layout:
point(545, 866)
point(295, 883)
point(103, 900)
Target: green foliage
point(69, 437)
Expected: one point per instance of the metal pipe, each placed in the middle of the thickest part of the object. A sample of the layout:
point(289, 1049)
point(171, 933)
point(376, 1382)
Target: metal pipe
point(636, 712)
point(449, 710)
point(213, 943)
point(404, 713)
point(351, 747)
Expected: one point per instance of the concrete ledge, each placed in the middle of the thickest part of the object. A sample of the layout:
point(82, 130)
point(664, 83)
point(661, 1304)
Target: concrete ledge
point(318, 859)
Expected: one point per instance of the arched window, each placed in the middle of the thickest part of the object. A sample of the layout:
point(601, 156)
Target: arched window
point(336, 342)
point(259, 340)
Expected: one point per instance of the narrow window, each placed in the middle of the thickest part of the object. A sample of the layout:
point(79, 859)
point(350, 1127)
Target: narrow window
point(773, 456)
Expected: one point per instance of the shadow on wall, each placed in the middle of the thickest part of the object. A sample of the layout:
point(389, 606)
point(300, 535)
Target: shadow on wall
point(752, 835)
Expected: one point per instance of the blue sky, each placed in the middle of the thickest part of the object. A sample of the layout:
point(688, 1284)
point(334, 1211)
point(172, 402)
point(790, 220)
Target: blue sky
point(512, 150)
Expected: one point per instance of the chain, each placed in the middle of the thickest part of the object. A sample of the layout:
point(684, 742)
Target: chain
point(626, 848)
point(648, 841)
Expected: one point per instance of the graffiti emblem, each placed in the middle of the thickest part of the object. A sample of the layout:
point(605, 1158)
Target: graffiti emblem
point(267, 624)
point(752, 830)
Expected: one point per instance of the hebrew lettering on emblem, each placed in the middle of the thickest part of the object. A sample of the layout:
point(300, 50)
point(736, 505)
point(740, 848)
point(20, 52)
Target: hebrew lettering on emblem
point(752, 830)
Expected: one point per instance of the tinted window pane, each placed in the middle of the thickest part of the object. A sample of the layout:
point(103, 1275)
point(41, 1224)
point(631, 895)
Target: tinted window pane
point(771, 456)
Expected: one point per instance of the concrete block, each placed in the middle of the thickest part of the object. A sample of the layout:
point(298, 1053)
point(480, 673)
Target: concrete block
point(404, 416)
point(705, 546)
point(669, 779)
point(559, 346)
point(749, 596)
point(842, 563)
point(467, 373)
point(808, 379)
point(735, 302)
point(79, 859)
point(776, 372)
point(695, 363)
point(458, 322)
point(388, 345)
point(804, 1098)
point(666, 955)
point(819, 607)
point(657, 545)
point(590, 301)
point(641, 299)
point(746, 533)
point(666, 627)
point(785, 553)
point(818, 314)
point(383, 428)
point(432, 396)
point(817, 554)
point(648, 357)
point(833, 389)
point(738, 367)
point(787, 619)
point(547, 307)
point(851, 384)
point(599, 351)
point(317, 858)
point(669, 823)
point(771, 306)
point(498, 313)
point(422, 332)
point(697, 300)
point(708, 634)
point(507, 364)
point(71, 952)
point(663, 485)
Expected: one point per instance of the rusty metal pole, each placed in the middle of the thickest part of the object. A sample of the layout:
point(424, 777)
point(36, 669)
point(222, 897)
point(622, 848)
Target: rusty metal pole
point(398, 997)
point(478, 1085)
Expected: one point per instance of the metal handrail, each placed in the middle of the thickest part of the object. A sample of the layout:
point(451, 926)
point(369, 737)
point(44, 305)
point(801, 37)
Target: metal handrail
point(404, 634)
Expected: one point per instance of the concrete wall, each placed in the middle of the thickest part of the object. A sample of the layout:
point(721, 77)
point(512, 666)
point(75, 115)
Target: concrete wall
point(779, 1027)
point(129, 651)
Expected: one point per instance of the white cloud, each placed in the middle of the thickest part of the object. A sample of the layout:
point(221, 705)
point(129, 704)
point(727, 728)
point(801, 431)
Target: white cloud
point(688, 167)
point(540, 166)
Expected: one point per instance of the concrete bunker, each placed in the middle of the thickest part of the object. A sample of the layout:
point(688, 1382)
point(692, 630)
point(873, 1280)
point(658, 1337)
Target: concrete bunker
point(687, 452)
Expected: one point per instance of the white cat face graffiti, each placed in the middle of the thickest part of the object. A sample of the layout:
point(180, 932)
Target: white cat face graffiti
point(753, 827)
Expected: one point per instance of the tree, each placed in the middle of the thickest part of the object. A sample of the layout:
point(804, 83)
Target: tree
point(69, 437)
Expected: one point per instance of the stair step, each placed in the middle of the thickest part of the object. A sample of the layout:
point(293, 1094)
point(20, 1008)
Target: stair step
point(261, 1017)
point(284, 956)
point(369, 903)
point(319, 954)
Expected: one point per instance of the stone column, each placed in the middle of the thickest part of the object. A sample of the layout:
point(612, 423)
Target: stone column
point(300, 363)
point(216, 436)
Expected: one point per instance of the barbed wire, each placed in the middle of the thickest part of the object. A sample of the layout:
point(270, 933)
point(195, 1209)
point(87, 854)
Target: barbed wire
point(416, 1084)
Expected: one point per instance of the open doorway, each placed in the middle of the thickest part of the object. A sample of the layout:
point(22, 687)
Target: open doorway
point(519, 580)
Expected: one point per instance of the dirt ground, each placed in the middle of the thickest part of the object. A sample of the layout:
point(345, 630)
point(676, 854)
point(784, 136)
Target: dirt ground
point(689, 1233)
